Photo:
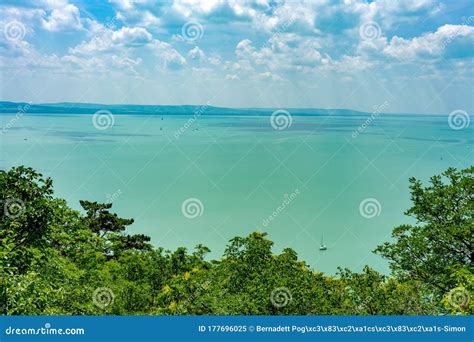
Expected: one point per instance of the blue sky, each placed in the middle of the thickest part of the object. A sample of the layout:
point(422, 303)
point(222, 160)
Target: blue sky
point(414, 56)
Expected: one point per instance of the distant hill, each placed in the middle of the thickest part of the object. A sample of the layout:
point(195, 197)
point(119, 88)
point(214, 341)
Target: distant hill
point(91, 108)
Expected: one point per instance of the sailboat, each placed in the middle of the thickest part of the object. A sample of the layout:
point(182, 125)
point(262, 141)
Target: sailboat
point(322, 247)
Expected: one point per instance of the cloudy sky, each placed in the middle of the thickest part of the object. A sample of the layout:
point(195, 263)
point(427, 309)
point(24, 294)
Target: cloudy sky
point(416, 56)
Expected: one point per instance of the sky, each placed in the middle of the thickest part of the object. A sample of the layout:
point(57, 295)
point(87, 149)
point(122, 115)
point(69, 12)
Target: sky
point(409, 56)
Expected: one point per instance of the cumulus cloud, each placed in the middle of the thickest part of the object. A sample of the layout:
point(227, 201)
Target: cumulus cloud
point(108, 40)
point(196, 53)
point(287, 51)
point(131, 36)
point(167, 55)
point(63, 16)
point(449, 41)
point(263, 41)
point(121, 44)
point(231, 77)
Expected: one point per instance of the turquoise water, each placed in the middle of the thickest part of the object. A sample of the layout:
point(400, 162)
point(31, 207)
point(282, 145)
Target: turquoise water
point(313, 175)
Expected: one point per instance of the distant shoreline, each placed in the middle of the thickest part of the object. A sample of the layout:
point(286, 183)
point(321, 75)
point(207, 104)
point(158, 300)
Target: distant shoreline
point(178, 110)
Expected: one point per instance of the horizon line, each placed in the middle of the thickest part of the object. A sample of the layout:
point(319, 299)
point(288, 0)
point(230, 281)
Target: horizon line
point(375, 111)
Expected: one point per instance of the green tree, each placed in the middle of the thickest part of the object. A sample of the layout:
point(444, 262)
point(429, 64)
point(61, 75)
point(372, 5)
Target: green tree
point(56, 260)
point(441, 243)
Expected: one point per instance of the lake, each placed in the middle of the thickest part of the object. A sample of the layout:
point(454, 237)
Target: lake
point(343, 179)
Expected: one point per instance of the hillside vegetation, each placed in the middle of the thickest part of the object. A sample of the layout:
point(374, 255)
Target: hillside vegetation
point(57, 261)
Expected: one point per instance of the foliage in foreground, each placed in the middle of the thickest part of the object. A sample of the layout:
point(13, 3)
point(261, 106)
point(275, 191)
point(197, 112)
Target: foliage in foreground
point(55, 260)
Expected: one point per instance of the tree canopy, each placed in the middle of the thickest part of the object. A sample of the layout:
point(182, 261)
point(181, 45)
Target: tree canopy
point(58, 261)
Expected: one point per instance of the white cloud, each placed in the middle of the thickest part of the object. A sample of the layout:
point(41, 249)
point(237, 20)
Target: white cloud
point(63, 16)
point(446, 41)
point(196, 53)
point(214, 59)
point(23, 55)
point(189, 8)
point(131, 36)
point(270, 76)
point(288, 52)
point(169, 57)
point(108, 40)
point(231, 77)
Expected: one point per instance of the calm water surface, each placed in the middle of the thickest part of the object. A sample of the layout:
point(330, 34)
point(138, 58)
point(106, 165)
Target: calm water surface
point(311, 177)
